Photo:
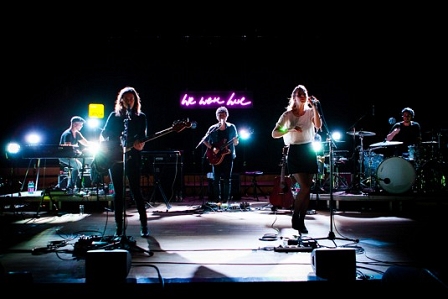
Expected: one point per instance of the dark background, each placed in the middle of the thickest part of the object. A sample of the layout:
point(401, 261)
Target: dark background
point(364, 64)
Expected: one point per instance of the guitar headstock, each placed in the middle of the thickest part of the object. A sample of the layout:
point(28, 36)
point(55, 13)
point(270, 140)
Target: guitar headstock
point(180, 125)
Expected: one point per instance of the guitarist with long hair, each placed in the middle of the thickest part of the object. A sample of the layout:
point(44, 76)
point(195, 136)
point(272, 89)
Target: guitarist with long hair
point(221, 139)
point(297, 126)
point(125, 127)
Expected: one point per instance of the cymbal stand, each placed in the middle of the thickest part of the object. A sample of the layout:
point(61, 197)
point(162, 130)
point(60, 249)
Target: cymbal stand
point(357, 178)
point(331, 236)
point(369, 174)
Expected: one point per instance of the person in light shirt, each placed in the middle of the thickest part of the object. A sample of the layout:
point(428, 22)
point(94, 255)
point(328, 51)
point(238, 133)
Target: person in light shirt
point(298, 126)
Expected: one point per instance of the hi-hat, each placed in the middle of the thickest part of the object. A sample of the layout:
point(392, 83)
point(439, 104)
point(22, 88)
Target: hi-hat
point(429, 142)
point(386, 143)
point(361, 133)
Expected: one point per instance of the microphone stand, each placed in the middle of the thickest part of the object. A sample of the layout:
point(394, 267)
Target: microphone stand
point(203, 158)
point(127, 243)
point(331, 236)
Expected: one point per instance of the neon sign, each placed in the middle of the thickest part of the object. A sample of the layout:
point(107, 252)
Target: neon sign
point(215, 99)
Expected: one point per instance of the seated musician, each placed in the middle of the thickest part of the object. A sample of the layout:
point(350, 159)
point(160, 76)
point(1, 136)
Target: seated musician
point(72, 136)
point(407, 131)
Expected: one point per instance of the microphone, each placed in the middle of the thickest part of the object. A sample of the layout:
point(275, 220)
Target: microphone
point(313, 100)
point(194, 124)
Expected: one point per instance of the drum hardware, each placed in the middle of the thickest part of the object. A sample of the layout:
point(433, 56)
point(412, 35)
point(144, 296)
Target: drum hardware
point(361, 133)
point(339, 182)
point(431, 177)
point(355, 189)
point(371, 164)
point(385, 143)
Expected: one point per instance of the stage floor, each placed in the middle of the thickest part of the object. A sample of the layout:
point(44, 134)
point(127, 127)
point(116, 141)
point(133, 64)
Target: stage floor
point(248, 241)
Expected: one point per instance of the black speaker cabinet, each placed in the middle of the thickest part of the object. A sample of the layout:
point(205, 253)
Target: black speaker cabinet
point(334, 263)
point(107, 265)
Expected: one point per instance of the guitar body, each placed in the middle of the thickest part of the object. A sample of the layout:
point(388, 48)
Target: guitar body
point(105, 158)
point(223, 150)
point(281, 196)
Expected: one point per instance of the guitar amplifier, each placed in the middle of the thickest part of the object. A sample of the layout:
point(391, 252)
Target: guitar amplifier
point(153, 160)
point(167, 169)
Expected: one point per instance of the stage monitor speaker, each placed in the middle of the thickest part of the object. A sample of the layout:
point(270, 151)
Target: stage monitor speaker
point(107, 265)
point(334, 263)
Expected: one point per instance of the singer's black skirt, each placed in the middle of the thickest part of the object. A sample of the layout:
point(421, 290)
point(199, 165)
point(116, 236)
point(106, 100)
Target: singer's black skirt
point(302, 159)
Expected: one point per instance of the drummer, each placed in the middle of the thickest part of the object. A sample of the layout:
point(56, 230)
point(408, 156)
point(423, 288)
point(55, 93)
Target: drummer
point(406, 131)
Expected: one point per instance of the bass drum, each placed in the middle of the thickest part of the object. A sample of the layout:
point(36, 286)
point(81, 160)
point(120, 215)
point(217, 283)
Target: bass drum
point(396, 175)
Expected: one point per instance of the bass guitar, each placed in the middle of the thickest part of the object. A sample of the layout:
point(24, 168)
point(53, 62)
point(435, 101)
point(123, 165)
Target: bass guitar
point(108, 154)
point(281, 196)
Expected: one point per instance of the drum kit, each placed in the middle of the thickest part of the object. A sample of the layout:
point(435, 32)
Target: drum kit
point(422, 169)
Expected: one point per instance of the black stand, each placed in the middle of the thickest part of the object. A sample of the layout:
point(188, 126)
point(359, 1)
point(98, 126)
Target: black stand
point(254, 184)
point(203, 158)
point(53, 204)
point(201, 182)
point(158, 186)
point(356, 182)
point(331, 236)
point(125, 242)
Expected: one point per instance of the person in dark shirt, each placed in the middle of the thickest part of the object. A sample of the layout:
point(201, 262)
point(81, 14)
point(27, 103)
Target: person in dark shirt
point(72, 136)
point(122, 135)
point(220, 142)
point(407, 131)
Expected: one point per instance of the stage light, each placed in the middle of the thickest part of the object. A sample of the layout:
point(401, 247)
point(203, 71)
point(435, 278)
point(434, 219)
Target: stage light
point(244, 134)
point(336, 136)
point(13, 148)
point(317, 143)
point(93, 123)
point(33, 138)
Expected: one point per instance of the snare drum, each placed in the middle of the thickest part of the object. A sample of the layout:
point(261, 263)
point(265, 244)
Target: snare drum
point(395, 175)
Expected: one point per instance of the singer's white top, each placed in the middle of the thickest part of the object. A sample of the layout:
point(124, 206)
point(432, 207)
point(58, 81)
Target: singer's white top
point(289, 121)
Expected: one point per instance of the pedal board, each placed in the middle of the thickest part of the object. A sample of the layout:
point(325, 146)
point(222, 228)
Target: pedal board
point(297, 245)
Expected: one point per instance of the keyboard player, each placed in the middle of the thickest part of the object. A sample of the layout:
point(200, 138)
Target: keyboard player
point(72, 136)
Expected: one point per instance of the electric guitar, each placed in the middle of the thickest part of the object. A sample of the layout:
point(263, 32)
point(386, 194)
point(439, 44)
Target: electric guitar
point(109, 154)
point(281, 196)
point(222, 147)
point(223, 150)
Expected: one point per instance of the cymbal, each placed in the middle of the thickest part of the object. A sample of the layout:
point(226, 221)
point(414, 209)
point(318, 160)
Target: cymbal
point(429, 142)
point(361, 133)
point(386, 143)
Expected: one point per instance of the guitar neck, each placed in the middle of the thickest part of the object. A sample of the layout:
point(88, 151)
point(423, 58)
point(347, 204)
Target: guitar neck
point(228, 143)
point(152, 137)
